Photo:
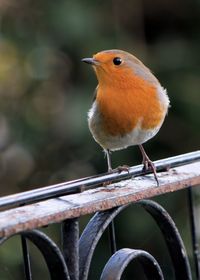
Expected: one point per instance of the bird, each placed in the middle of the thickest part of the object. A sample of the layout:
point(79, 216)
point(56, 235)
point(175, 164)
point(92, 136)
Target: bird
point(129, 105)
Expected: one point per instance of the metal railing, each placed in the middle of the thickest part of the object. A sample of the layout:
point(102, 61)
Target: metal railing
point(106, 195)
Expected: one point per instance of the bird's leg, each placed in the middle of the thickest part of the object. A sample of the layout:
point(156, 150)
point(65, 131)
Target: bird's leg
point(148, 164)
point(119, 168)
point(108, 157)
point(112, 224)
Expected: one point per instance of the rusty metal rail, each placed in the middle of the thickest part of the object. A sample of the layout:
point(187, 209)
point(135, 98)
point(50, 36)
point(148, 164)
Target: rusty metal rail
point(88, 183)
point(67, 202)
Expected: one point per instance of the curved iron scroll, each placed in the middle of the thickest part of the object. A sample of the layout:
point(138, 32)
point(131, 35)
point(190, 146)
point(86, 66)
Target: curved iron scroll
point(97, 225)
point(172, 238)
point(51, 253)
point(58, 265)
point(91, 235)
point(119, 261)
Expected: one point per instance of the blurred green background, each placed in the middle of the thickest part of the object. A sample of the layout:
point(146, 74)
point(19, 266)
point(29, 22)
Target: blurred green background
point(45, 93)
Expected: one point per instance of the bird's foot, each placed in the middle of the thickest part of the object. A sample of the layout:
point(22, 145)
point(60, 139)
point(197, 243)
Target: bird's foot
point(149, 166)
point(119, 169)
point(122, 168)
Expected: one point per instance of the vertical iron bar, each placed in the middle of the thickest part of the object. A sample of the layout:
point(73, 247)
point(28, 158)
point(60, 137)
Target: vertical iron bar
point(70, 238)
point(195, 244)
point(112, 238)
point(26, 258)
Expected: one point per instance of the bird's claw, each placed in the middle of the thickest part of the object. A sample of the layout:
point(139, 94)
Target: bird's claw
point(121, 168)
point(149, 166)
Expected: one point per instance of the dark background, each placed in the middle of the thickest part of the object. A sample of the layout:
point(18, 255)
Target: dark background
point(45, 93)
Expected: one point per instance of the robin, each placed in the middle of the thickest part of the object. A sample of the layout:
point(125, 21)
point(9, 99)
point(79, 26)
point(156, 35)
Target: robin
point(130, 105)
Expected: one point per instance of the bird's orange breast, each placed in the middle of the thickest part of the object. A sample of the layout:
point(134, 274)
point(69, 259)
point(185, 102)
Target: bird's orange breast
point(123, 108)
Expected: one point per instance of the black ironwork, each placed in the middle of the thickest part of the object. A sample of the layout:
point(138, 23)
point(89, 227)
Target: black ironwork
point(120, 260)
point(112, 237)
point(26, 257)
point(92, 182)
point(70, 238)
point(195, 244)
point(51, 253)
point(74, 261)
point(91, 236)
point(172, 238)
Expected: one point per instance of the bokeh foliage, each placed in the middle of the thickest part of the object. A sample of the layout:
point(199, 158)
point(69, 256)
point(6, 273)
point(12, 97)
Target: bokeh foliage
point(45, 91)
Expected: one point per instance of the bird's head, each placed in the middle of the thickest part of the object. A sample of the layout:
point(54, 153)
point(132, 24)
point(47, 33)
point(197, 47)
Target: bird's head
point(119, 68)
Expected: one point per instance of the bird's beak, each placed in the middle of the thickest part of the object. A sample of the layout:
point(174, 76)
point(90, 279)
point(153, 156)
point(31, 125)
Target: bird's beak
point(91, 61)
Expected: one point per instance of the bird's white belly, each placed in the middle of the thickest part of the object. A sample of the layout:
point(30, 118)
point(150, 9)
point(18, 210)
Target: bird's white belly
point(135, 137)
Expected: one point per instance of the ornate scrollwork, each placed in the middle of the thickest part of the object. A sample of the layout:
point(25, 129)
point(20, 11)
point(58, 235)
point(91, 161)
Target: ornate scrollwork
point(119, 261)
point(51, 253)
point(73, 262)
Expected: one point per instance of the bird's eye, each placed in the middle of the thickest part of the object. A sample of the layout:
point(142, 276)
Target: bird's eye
point(117, 60)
